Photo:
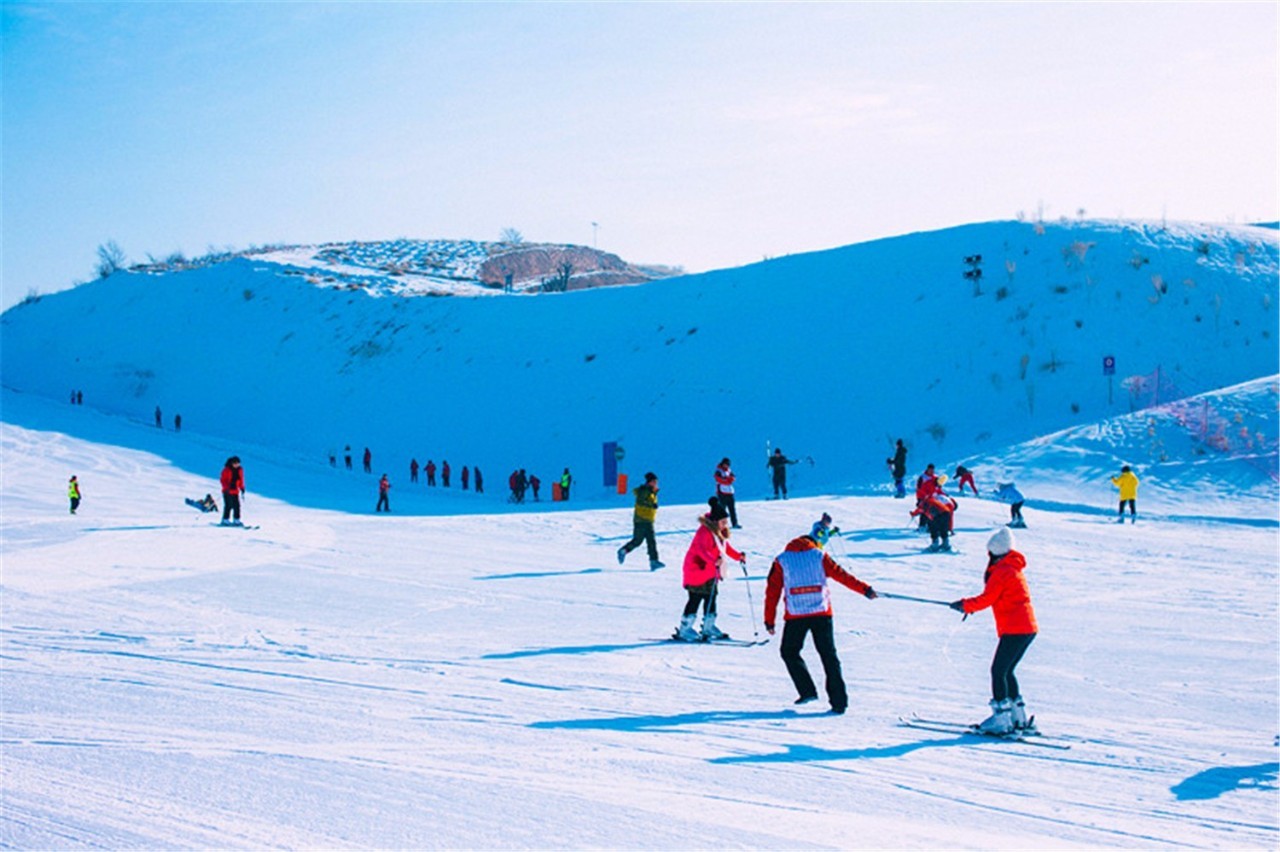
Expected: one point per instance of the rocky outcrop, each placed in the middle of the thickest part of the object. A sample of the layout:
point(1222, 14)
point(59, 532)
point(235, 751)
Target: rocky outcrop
point(531, 265)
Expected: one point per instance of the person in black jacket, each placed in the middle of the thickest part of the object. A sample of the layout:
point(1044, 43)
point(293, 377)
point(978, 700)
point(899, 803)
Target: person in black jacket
point(898, 465)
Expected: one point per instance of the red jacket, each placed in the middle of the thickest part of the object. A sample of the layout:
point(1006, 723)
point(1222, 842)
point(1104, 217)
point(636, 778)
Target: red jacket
point(232, 480)
point(831, 569)
point(1007, 594)
point(700, 562)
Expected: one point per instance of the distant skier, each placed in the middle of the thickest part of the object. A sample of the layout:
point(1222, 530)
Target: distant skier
point(1007, 492)
point(466, 478)
point(333, 458)
point(479, 480)
point(513, 483)
point(534, 484)
point(646, 511)
point(1005, 591)
point(384, 495)
point(799, 576)
point(73, 493)
point(159, 419)
point(566, 479)
point(368, 461)
point(431, 473)
point(964, 477)
point(177, 422)
point(938, 509)
point(1127, 482)
point(925, 485)
point(413, 470)
point(898, 469)
point(232, 490)
point(347, 456)
point(703, 571)
point(725, 478)
point(444, 473)
point(778, 463)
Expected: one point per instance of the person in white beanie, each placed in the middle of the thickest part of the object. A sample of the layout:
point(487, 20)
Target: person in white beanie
point(1005, 591)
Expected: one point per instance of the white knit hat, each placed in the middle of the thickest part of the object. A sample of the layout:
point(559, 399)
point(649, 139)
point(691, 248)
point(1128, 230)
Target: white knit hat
point(1001, 542)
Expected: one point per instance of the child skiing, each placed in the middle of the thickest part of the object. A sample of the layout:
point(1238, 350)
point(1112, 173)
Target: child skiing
point(799, 577)
point(73, 493)
point(703, 572)
point(646, 511)
point(1007, 492)
point(1127, 482)
point(1005, 591)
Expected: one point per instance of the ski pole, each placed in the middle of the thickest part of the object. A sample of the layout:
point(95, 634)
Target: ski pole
point(755, 634)
point(910, 598)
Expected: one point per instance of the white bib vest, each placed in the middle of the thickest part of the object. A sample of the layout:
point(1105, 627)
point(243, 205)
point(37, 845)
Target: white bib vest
point(804, 582)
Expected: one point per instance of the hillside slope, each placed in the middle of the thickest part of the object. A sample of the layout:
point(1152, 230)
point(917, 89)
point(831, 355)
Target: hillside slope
point(829, 356)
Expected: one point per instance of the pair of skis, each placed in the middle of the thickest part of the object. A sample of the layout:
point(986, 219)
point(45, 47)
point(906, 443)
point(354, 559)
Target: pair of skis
point(733, 643)
point(1026, 736)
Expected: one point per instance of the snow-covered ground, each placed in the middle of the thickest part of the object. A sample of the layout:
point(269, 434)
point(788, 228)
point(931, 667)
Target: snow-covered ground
point(338, 680)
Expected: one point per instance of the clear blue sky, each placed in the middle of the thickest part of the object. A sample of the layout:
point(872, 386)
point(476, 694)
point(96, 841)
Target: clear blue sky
point(701, 135)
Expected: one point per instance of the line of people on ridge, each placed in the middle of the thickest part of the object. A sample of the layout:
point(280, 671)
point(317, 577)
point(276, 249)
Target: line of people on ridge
point(800, 576)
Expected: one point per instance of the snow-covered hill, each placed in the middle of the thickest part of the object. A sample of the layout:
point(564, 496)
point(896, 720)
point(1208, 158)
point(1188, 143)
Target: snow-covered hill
point(827, 356)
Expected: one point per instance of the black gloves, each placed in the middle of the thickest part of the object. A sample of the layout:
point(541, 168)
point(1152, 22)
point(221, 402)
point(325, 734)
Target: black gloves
point(958, 606)
point(871, 594)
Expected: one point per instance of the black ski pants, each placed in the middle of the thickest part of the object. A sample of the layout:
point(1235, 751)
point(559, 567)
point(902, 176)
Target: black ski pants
point(642, 532)
point(1133, 507)
point(794, 632)
point(231, 505)
point(1008, 654)
point(704, 597)
point(727, 501)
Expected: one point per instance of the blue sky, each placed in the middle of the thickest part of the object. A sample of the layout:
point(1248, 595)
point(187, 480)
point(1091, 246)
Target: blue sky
point(700, 135)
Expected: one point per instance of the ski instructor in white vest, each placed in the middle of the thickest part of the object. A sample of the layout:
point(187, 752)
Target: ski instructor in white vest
point(799, 576)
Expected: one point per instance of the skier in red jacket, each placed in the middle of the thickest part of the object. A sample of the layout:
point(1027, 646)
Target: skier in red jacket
point(232, 489)
point(1005, 591)
point(799, 576)
point(725, 478)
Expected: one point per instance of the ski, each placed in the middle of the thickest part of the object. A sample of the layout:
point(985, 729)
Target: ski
point(1025, 737)
point(737, 643)
point(236, 526)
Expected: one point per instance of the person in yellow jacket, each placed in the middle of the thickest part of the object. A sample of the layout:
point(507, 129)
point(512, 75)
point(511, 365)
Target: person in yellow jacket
point(1127, 482)
point(645, 512)
point(73, 493)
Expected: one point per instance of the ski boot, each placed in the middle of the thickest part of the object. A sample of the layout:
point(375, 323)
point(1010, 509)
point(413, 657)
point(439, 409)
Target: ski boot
point(710, 632)
point(654, 565)
point(1022, 723)
point(622, 555)
point(685, 632)
point(1000, 722)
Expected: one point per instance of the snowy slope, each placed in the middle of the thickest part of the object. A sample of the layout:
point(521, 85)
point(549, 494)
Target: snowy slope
point(486, 681)
point(829, 356)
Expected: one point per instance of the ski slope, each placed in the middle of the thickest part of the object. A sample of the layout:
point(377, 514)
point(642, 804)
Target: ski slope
point(336, 679)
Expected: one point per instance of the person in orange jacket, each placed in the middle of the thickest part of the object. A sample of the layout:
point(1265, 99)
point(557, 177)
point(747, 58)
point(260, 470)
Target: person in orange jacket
point(702, 572)
point(384, 495)
point(1005, 591)
point(799, 577)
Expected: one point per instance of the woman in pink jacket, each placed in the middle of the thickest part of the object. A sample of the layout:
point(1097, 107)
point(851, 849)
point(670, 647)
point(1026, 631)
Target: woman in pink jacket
point(702, 574)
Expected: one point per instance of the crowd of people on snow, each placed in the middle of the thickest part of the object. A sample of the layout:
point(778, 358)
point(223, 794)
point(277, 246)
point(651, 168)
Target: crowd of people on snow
point(799, 577)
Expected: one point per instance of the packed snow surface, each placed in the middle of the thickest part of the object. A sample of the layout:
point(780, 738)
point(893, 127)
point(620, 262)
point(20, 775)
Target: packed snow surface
point(336, 679)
